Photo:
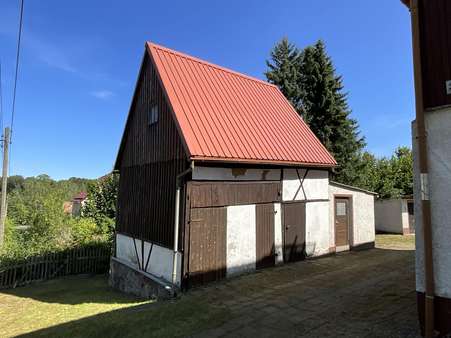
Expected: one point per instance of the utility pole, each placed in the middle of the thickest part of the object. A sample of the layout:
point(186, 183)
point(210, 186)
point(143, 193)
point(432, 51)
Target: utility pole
point(3, 205)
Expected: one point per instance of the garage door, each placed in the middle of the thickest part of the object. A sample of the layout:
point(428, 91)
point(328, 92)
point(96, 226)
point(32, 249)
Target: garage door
point(207, 251)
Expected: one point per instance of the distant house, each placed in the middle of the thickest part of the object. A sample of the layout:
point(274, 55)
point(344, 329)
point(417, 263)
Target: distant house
point(220, 176)
point(395, 215)
point(77, 203)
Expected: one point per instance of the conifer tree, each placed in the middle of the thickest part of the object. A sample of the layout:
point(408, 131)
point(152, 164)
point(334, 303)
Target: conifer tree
point(326, 110)
point(283, 71)
point(308, 79)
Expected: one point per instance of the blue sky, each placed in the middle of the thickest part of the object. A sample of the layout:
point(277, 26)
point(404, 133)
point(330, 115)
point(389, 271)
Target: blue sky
point(80, 61)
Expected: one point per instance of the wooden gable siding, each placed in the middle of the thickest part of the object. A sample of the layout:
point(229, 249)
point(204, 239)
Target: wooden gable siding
point(151, 158)
point(435, 37)
point(159, 142)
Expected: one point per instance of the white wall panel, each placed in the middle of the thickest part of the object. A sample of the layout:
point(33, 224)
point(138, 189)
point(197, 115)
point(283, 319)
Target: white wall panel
point(278, 233)
point(438, 128)
point(241, 239)
point(317, 228)
point(160, 261)
point(315, 185)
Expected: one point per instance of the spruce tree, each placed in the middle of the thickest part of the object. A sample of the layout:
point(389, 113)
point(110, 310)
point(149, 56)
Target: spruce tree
point(283, 71)
point(325, 109)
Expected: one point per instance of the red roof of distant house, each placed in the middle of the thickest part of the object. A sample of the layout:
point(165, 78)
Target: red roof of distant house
point(230, 117)
point(80, 196)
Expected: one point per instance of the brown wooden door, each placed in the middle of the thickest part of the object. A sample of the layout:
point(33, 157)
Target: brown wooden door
point(207, 251)
point(265, 235)
point(294, 231)
point(341, 221)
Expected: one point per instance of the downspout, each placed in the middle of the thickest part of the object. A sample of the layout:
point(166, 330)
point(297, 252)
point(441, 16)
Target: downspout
point(178, 188)
point(424, 173)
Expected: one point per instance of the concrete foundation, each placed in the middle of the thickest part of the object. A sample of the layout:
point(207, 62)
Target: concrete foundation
point(126, 278)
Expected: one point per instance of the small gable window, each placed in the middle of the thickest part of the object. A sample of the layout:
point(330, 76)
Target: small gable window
point(153, 114)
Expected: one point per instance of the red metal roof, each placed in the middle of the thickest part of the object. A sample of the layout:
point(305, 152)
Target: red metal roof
point(227, 116)
point(81, 195)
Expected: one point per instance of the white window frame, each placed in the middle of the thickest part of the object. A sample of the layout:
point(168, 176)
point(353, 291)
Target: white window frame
point(153, 114)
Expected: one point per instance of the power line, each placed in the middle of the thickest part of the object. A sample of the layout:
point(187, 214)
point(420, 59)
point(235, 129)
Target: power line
point(17, 68)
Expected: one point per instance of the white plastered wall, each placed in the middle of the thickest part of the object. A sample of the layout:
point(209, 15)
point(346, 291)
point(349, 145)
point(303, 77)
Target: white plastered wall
point(363, 223)
point(314, 185)
point(389, 215)
point(317, 230)
point(160, 261)
point(438, 128)
point(278, 233)
point(241, 239)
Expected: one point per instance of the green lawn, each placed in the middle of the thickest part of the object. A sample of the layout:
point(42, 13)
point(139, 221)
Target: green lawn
point(87, 307)
point(395, 242)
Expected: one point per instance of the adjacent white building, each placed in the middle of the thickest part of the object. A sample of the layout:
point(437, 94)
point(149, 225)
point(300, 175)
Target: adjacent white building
point(395, 216)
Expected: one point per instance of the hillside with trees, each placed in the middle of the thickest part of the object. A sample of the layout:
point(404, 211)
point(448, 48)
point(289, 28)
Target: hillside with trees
point(37, 223)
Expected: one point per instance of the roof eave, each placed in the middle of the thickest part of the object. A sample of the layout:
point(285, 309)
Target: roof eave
point(351, 187)
point(263, 162)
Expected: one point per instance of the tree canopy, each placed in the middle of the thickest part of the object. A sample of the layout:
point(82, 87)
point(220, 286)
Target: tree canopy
point(36, 221)
point(308, 79)
point(389, 177)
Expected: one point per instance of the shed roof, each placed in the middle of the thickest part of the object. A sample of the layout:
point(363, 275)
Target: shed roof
point(225, 116)
point(350, 187)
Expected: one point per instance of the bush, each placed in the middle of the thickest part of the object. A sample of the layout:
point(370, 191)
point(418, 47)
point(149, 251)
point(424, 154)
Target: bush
point(37, 224)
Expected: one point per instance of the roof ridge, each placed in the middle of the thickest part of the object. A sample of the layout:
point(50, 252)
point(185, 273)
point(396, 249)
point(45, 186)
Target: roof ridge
point(210, 64)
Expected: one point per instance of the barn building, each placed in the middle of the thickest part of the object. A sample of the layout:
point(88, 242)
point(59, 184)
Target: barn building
point(220, 176)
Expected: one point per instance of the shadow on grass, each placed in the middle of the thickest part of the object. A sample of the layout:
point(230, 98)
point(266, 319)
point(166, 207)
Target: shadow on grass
point(73, 290)
point(164, 319)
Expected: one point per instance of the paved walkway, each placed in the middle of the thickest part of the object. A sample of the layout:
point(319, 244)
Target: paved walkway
point(356, 294)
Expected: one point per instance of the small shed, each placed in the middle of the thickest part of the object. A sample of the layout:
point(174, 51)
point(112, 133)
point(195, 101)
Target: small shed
point(395, 215)
point(351, 216)
point(219, 176)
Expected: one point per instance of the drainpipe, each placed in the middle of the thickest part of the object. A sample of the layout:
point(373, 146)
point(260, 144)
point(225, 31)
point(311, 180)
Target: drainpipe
point(424, 173)
point(179, 185)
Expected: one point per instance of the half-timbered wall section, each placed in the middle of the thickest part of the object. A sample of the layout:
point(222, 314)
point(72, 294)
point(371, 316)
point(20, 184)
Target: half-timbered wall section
point(150, 158)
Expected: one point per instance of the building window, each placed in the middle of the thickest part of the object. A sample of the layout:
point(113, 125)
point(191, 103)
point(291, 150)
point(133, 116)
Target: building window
point(153, 114)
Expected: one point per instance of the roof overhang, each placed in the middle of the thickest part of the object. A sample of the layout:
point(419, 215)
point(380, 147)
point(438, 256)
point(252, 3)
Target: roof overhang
point(214, 160)
point(350, 187)
point(406, 2)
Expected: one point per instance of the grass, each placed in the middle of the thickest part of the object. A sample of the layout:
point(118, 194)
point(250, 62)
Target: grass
point(395, 242)
point(88, 307)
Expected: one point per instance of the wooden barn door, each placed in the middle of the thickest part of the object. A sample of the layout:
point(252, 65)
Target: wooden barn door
point(265, 235)
point(207, 252)
point(294, 231)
